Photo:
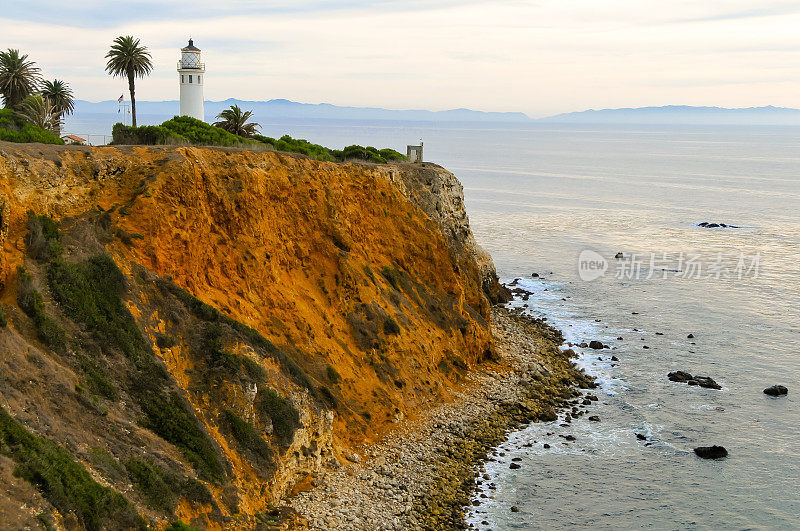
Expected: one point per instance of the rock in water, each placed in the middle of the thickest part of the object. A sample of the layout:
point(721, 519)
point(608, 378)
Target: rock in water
point(776, 390)
point(711, 452)
point(514, 466)
point(641, 437)
point(514, 509)
point(707, 382)
point(679, 376)
point(595, 345)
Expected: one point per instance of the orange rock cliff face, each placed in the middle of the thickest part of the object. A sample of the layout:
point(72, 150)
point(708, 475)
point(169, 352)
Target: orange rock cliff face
point(368, 293)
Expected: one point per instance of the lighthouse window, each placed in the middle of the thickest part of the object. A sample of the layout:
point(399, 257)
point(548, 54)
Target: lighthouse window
point(198, 80)
point(182, 80)
point(190, 78)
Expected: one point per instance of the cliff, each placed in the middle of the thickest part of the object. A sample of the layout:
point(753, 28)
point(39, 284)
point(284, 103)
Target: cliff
point(201, 330)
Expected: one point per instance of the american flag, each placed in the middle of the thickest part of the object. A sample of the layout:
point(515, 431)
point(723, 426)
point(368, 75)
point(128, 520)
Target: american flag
point(121, 97)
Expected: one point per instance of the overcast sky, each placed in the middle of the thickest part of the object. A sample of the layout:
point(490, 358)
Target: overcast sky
point(538, 57)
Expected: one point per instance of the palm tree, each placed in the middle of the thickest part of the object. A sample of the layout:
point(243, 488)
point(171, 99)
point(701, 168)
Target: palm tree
point(234, 120)
point(39, 111)
point(127, 58)
point(18, 78)
point(60, 96)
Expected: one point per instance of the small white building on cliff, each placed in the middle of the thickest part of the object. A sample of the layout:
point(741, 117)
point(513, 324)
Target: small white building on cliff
point(191, 75)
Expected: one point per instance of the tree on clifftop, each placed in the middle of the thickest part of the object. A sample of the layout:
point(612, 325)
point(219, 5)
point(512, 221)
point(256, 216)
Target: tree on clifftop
point(129, 59)
point(39, 111)
point(234, 120)
point(59, 95)
point(19, 78)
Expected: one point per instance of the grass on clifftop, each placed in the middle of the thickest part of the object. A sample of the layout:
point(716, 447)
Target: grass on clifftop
point(15, 129)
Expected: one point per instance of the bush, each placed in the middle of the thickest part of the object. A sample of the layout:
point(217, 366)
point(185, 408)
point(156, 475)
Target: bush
point(156, 484)
point(297, 145)
point(32, 303)
point(43, 240)
point(107, 465)
point(392, 275)
point(208, 313)
point(332, 374)
point(3, 320)
point(64, 482)
point(180, 130)
point(97, 378)
point(390, 326)
point(285, 417)
point(250, 440)
point(145, 135)
point(170, 419)
point(198, 132)
point(14, 128)
point(315, 151)
point(90, 292)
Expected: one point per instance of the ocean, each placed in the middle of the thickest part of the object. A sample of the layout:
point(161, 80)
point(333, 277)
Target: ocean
point(560, 202)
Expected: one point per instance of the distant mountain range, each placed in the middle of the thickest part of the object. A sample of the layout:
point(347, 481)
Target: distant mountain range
point(100, 116)
point(158, 111)
point(682, 114)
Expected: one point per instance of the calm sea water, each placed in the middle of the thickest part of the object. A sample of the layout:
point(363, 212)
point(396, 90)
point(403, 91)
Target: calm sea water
point(540, 195)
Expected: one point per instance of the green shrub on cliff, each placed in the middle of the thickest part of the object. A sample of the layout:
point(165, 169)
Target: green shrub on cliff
point(315, 151)
point(161, 488)
point(180, 130)
point(32, 303)
point(43, 241)
point(15, 129)
point(64, 482)
point(297, 145)
point(285, 417)
point(145, 135)
point(250, 440)
point(90, 293)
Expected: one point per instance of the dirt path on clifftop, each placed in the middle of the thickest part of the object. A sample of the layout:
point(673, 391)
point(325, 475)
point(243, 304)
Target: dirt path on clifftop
point(421, 476)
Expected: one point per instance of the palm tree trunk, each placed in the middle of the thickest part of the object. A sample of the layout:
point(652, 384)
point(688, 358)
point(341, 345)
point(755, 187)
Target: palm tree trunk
point(133, 99)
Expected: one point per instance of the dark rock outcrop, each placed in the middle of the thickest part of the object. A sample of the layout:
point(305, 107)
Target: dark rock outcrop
point(711, 452)
point(679, 376)
point(702, 381)
point(776, 390)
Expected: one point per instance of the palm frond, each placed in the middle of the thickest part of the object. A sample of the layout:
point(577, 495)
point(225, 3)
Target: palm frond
point(19, 78)
point(235, 121)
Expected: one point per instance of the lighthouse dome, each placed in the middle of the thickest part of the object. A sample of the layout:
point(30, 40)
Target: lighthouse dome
point(191, 47)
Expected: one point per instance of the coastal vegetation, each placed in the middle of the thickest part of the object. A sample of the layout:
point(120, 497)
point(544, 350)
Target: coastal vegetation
point(14, 128)
point(59, 94)
point(184, 130)
point(129, 59)
point(64, 482)
point(180, 130)
point(33, 108)
point(19, 78)
point(236, 121)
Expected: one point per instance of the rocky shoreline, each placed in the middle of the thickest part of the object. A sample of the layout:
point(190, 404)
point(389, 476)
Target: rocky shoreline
point(424, 474)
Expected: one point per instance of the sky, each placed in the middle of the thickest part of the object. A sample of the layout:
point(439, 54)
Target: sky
point(538, 57)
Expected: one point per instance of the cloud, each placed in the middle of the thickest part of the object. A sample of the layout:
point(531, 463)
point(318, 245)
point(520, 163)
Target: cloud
point(504, 55)
point(90, 13)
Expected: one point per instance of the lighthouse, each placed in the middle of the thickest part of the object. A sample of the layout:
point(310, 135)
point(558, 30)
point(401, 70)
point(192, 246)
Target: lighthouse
point(191, 74)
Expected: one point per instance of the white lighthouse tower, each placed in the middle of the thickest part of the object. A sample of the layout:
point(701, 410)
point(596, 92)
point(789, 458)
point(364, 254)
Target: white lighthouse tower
point(191, 73)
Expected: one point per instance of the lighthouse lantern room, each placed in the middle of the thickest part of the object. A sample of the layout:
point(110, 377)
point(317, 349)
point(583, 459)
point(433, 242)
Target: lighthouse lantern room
point(191, 74)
